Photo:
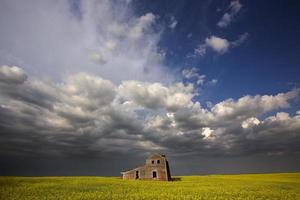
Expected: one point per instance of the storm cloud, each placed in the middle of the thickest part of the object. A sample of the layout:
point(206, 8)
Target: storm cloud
point(89, 87)
point(87, 114)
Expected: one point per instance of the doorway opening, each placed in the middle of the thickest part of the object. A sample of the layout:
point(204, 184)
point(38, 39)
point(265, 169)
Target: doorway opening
point(154, 174)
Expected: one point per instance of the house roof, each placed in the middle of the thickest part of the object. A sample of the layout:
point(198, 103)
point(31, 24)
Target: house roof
point(134, 169)
point(155, 155)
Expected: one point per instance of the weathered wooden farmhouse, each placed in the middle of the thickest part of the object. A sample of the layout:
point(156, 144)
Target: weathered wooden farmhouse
point(156, 168)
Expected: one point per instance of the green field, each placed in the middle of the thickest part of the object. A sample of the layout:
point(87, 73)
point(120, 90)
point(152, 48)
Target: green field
point(249, 186)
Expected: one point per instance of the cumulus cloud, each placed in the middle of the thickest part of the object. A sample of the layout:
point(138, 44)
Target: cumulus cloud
point(89, 115)
point(219, 45)
point(89, 91)
point(12, 74)
point(276, 135)
point(250, 122)
point(82, 105)
point(155, 95)
point(207, 133)
point(248, 106)
point(233, 9)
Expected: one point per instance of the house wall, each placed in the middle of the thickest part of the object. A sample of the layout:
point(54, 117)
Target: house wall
point(129, 175)
point(160, 167)
point(146, 171)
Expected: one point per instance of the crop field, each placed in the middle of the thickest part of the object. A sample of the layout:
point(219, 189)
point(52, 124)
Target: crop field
point(285, 186)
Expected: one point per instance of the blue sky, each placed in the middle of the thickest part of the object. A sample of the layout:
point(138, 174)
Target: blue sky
point(212, 84)
point(267, 62)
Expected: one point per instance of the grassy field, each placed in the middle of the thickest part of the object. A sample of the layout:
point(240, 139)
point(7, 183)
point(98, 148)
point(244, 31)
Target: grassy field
point(244, 187)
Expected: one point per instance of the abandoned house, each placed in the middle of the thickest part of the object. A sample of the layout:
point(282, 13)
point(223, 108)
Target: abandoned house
point(156, 168)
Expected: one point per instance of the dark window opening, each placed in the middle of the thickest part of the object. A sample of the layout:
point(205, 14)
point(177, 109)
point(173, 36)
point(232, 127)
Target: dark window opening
point(137, 175)
point(158, 161)
point(152, 161)
point(154, 175)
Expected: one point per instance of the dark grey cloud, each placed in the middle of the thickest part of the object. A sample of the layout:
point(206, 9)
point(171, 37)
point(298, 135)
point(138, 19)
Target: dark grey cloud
point(88, 115)
point(74, 117)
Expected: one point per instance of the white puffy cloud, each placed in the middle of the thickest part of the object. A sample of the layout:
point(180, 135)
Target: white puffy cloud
point(88, 91)
point(283, 122)
point(248, 106)
point(155, 95)
point(250, 122)
point(12, 74)
point(217, 44)
point(280, 116)
point(207, 133)
point(234, 7)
